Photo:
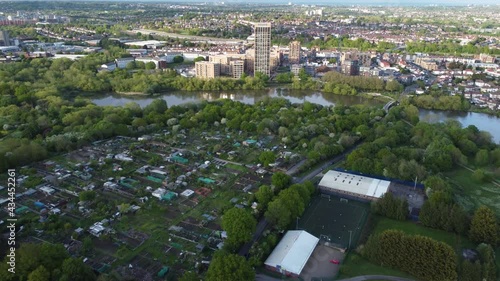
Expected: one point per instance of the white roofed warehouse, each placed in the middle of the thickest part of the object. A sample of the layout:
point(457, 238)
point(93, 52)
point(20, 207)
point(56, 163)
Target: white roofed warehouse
point(292, 253)
point(352, 185)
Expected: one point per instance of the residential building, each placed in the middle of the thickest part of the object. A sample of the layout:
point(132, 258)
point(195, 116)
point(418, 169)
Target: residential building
point(294, 55)
point(159, 63)
point(485, 58)
point(122, 62)
point(364, 59)
point(225, 62)
point(350, 67)
point(262, 47)
point(275, 58)
point(207, 70)
point(237, 68)
point(295, 69)
point(249, 60)
point(427, 64)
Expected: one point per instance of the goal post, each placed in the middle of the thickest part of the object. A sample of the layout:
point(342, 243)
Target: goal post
point(326, 196)
point(344, 200)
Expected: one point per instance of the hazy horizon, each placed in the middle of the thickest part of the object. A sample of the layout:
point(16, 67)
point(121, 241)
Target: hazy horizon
point(308, 2)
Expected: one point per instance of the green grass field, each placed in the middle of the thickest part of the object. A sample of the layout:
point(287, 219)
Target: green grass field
point(237, 167)
point(456, 241)
point(471, 194)
point(357, 266)
point(341, 222)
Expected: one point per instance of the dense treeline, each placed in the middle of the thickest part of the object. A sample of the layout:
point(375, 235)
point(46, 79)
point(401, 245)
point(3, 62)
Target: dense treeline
point(391, 207)
point(44, 262)
point(331, 42)
point(420, 256)
point(289, 204)
point(397, 150)
point(449, 47)
point(454, 103)
point(439, 211)
point(358, 82)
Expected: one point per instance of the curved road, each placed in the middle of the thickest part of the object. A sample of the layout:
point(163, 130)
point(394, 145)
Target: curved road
point(376, 277)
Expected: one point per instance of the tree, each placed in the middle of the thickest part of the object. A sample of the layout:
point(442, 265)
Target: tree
point(87, 195)
point(482, 157)
point(157, 106)
point(394, 248)
point(484, 227)
point(470, 271)
point(199, 59)
point(261, 76)
point(285, 77)
point(87, 245)
point(178, 59)
point(75, 270)
point(278, 214)
point(481, 176)
point(391, 207)
point(124, 207)
point(39, 274)
point(131, 65)
point(264, 195)
point(226, 266)
point(189, 276)
point(239, 225)
point(393, 86)
point(150, 65)
point(267, 157)
point(487, 257)
point(280, 181)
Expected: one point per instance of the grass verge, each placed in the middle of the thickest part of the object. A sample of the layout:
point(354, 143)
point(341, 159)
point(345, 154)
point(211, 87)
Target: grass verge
point(470, 194)
point(456, 241)
point(355, 265)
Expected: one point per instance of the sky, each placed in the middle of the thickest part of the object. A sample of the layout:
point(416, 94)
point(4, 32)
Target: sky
point(322, 2)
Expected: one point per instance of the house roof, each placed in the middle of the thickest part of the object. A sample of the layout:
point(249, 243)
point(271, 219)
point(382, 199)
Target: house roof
point(358, 184)
point(293, 251)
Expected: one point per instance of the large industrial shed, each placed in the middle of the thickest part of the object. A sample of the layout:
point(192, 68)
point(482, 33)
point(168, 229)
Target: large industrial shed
point(292, 253)
point(354, 186)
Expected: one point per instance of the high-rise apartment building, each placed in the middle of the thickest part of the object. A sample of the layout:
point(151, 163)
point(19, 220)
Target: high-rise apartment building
point(4, 37)
point(207, 70)
point(262, 47)
point(294, 55)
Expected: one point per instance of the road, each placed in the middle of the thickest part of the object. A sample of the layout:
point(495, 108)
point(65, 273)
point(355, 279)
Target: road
point(213, 40)
point(330, 162)
point(296, 167)
point(261, 226)
point(263, 277)
point(375, 277)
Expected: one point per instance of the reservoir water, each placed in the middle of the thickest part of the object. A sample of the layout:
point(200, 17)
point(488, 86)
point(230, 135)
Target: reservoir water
point(482, 121)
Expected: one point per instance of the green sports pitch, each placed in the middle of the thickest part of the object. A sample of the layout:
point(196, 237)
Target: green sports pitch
point(335, 220)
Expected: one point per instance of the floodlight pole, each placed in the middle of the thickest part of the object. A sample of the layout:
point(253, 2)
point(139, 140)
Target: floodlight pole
point(350, 234)
point(297, 224)
point(415, 186)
